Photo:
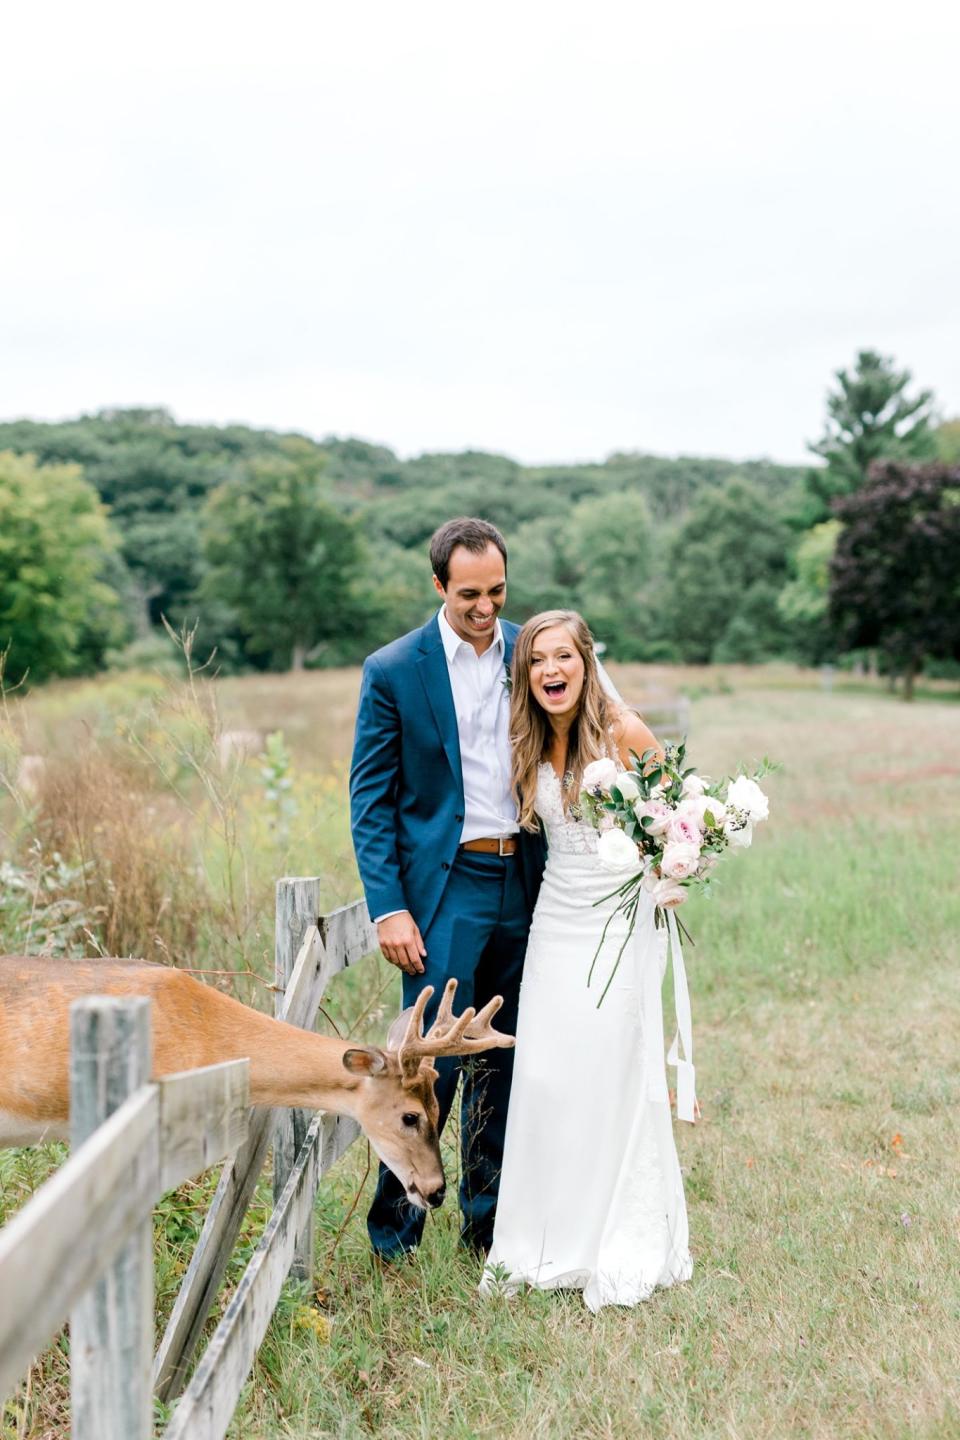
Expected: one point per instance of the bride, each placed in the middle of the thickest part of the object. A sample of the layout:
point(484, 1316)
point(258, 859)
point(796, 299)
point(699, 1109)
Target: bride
point(591, 1195)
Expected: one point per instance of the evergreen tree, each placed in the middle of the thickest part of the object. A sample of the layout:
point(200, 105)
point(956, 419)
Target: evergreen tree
point(869, 417)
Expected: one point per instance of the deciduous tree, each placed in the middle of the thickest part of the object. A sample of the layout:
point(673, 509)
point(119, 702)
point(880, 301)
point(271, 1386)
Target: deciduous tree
point(804, 602)
point(57, 615)
point(609, 544)
point(285, 559)
point(727, 565)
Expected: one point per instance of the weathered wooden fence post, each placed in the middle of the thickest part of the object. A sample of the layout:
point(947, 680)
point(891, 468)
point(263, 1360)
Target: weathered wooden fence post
point(298, 907)
point(111, 1328)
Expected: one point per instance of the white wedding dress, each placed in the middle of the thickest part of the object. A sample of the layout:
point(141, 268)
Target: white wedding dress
point(591, 1195)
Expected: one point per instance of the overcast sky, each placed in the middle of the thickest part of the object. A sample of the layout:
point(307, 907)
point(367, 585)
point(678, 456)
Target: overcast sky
point(545, 229)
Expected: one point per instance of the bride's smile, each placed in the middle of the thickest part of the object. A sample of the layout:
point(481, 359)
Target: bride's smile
point(556, 671)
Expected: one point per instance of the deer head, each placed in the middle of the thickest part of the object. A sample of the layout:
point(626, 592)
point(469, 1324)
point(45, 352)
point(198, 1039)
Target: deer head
point(397, 1106)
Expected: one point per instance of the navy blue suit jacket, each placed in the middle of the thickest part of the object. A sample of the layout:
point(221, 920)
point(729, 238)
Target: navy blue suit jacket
point(406, 780)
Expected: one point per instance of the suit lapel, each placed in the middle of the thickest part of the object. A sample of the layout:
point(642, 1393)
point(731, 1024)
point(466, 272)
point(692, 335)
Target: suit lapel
point(509, 637)
point(435, 677)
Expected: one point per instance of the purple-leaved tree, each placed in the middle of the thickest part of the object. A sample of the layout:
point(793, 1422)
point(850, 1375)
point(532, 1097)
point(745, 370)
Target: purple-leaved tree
point(895, 573)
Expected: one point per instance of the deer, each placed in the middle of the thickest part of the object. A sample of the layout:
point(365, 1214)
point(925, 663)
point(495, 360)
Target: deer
point(389, 1091)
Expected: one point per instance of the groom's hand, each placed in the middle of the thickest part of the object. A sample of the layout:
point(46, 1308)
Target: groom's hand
point(401, 942)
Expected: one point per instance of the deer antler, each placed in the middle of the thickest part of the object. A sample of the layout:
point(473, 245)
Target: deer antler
point(450, 1034)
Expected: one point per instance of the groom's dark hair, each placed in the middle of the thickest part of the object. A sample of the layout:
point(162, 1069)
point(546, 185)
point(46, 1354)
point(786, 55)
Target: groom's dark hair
point(473, 535)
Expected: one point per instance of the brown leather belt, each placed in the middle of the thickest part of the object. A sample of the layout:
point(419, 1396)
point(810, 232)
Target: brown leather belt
point(493, 845)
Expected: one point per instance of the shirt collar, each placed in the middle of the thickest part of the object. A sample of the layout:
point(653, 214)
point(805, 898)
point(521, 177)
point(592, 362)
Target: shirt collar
point(452, 642)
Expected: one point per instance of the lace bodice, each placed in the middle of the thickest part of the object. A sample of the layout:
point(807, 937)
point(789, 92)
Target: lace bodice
point(565, 835)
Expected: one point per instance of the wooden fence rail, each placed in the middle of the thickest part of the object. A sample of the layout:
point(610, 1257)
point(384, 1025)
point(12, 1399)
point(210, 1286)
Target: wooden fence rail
point(82, 1245)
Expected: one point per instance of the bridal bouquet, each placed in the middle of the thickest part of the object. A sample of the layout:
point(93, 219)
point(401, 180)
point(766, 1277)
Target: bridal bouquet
point(670, 823)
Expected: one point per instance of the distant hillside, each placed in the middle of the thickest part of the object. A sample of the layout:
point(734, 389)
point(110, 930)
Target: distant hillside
point(599, 536)
point(143, 462)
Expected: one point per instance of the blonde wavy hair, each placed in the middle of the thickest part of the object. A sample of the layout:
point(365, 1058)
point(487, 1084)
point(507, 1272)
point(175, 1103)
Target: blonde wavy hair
point(530, 726)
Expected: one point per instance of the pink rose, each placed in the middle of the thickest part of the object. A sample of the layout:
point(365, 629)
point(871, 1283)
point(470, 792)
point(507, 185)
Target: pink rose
point(680, 860)
point(660, 814)
point(666, 893)
point(684, 829)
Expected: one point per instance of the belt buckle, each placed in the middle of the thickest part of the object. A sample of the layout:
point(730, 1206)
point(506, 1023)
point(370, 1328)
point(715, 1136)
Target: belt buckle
point(500, 850)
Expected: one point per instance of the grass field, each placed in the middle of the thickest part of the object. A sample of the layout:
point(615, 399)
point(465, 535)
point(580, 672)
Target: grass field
point(821, 1182)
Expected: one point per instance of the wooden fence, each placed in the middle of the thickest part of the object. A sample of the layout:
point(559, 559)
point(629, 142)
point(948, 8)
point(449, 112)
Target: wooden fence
point(82, 1246)
point(668, 719)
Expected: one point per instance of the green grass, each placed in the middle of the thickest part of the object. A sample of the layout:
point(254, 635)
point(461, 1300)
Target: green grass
point(821, 1181)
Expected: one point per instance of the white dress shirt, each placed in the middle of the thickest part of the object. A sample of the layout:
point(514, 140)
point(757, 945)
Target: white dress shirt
point(482, 705)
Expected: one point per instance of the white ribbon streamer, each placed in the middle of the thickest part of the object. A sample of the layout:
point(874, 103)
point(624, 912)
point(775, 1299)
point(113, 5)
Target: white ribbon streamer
point(686, 1074)
point(655, 1072)
point(651, 977)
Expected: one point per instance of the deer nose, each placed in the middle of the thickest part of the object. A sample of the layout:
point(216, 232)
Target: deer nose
point(436, 1199)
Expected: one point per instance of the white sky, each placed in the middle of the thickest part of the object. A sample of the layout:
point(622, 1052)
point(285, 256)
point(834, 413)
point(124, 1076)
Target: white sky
point(540, 228)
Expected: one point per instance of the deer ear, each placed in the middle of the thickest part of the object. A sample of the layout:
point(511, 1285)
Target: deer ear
point(366, 1061)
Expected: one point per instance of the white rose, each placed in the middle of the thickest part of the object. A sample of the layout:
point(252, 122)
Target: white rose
point(744, 794)
point(698, 805)
point(680, 860)
point(599, 775)
point(667, 893)
point(740, 837)
point(692, 786)
point(626, 783)
point(715, 806)
point(617, 851)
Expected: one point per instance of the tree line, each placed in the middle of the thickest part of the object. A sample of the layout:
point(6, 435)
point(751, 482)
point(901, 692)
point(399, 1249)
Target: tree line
point(284, 551)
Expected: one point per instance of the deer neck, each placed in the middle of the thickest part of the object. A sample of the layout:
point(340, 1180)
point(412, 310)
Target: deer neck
point(304, 1070)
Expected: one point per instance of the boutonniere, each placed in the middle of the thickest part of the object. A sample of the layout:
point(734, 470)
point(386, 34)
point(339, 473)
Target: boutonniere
point(507, 681)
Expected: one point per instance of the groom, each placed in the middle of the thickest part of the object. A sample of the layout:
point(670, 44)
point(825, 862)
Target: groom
point(448, 878)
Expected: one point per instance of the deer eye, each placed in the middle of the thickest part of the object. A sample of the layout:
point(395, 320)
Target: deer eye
point(411, 1120)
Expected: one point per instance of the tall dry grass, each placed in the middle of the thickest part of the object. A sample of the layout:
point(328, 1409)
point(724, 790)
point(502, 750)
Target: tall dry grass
point(167, 840)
